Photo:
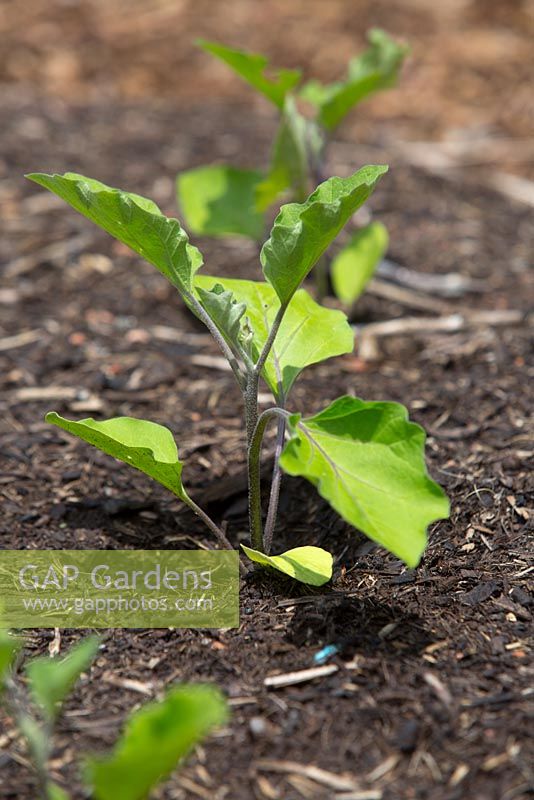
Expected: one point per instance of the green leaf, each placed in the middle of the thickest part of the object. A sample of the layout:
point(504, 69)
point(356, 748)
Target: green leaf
point(354, 265)
point(311, 565)
point(155, 739)
point(252, 68)
point(226, 313)
point(51, 680)
point(289, 162)
point(9, 647)
point(36, 739)
point(309, 333)
point(303, 231)
point(219, 200)
point(375, 69)
point(55, 792)
point(144, 445)
point(133, 220)
point(367, 460)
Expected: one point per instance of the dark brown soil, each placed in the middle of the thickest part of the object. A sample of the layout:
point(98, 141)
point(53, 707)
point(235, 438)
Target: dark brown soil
point(431, 698)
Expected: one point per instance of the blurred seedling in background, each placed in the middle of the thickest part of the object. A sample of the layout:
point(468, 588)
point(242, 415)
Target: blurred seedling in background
point(364, 457)
point(155, 738)
point(222, 199)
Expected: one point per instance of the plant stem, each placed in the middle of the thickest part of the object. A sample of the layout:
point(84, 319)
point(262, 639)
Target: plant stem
point(228, 353)
point(260, 363)
point(223, 541)
point(274, 496)
point(254, 475)
point(250, 397)
point(19, 706)
point(250, 394)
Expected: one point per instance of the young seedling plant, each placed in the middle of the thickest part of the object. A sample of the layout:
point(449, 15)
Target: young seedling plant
point(364, 457)
point(154, 739)
point(220, 199)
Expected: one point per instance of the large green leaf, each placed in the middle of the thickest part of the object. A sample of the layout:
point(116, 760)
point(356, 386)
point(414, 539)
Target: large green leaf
point(309, 333)
point(354, 265)
point(9, 647)
point(156, 738)
point(51, 680)
point(144, 445)
point(219, 199)
point(289, 162)
point(252, 68)
point(367, 460)
point(375, 69)
point(311, 565)
point(133, 220)
point(303, 231)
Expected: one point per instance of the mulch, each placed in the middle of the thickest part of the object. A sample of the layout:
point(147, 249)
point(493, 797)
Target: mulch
point(431, 696)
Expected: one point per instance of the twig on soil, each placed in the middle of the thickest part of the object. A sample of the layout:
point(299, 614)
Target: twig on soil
point(466, 152)
point(407, 297)
point(211, 362)
point(20, 340)
point(52, 252)
point(383, 768)
point(516, 188)
point(300, 676)
point(435, 159)
point(367, 335)
point(194, 788)
point(439, 689)
point(316, 774)
point(165, 333)
point(451, 284)
point(30, 394)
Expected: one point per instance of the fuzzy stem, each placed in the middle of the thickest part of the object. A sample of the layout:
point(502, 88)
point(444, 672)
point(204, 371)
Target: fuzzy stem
point(260, 363)
point(250, 396)
point(276, 480)
point(254, 475)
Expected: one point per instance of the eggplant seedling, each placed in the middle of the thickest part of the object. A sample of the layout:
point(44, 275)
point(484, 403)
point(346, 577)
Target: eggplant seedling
point(222, 199)
point(364, 457)
point(155, 739)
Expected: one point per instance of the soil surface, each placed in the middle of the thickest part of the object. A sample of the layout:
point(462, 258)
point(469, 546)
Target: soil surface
point(431, 698)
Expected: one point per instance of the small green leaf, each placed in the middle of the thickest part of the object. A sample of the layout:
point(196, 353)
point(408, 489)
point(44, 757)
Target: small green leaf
point(156, 738)
point(311, 565)
point(303, 231)
point(377, 68)
point(309, 333)
point(36, 739)
point(133, 220)
point(9, 647)
point(226, 313)
point(354, 265)
point(51, 680)
point(55, 792)
point(289, 163)
point(220, 200)
point(145, 445)
point(252, 67)
point(367, 460)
